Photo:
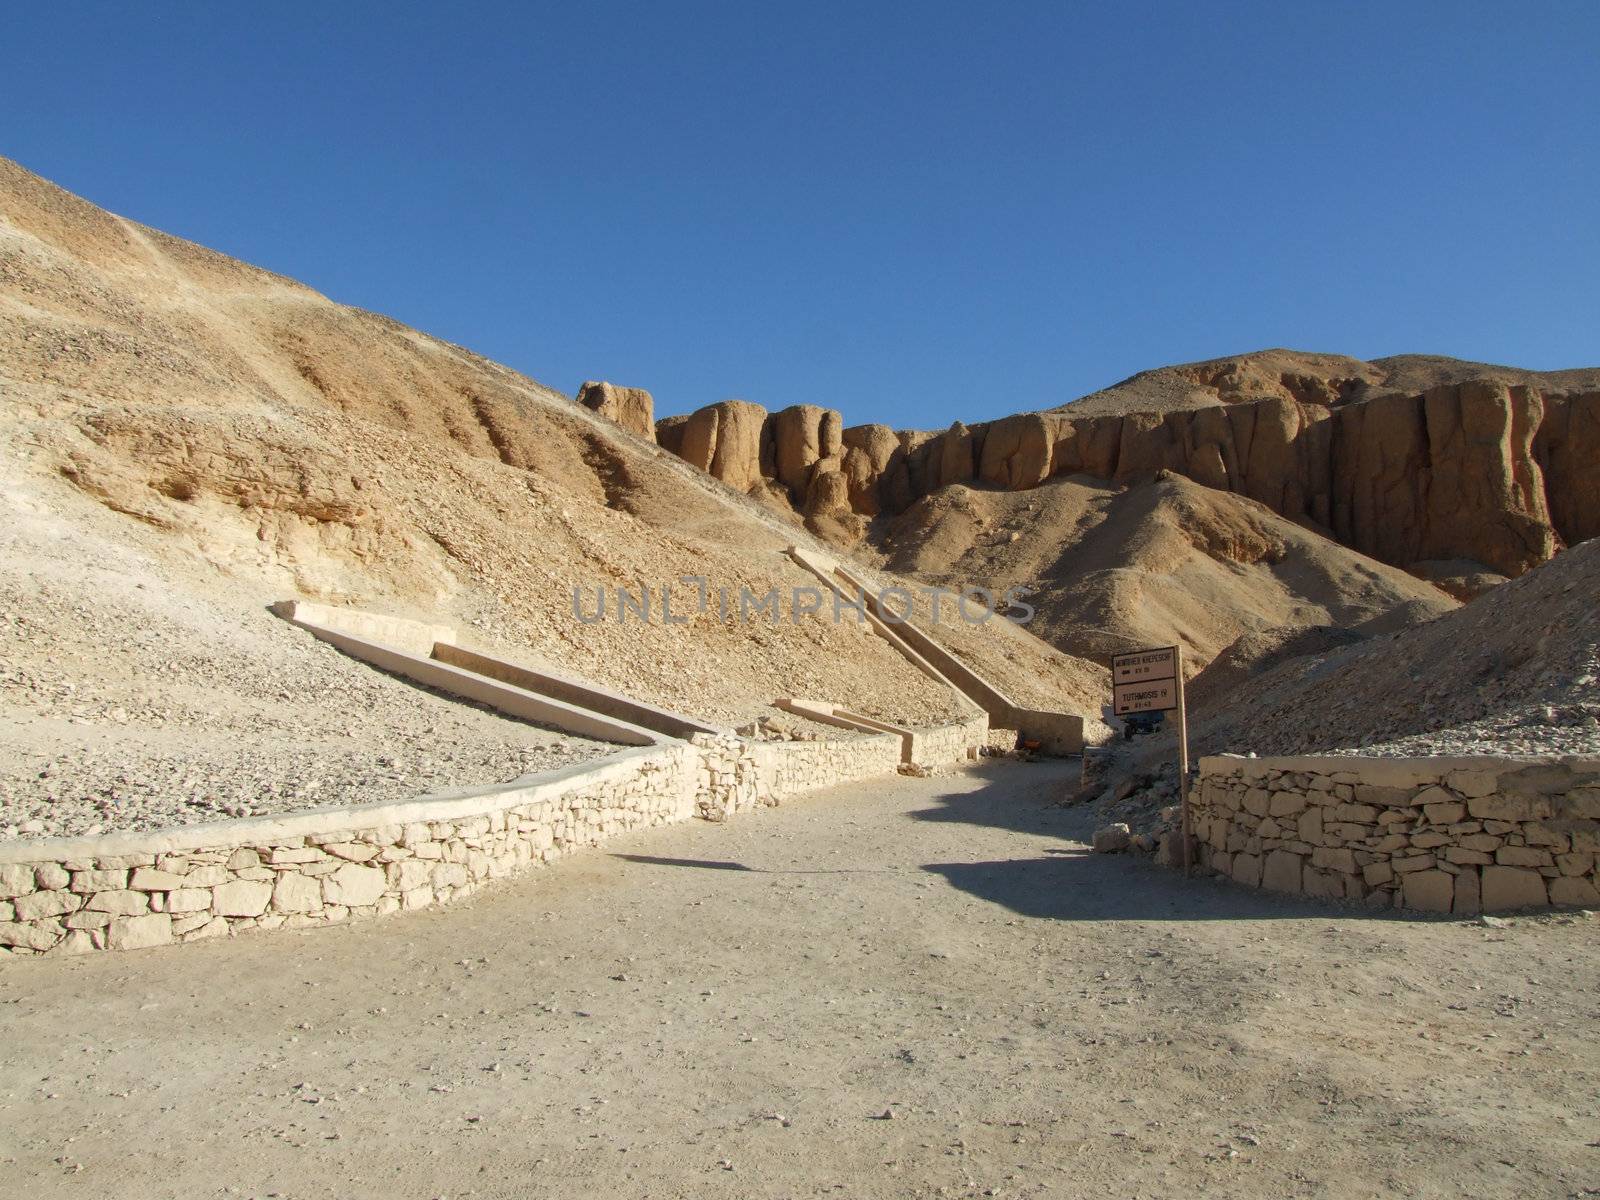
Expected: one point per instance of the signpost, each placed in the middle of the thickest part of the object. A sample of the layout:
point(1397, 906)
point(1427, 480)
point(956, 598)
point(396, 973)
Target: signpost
point(1152, 681)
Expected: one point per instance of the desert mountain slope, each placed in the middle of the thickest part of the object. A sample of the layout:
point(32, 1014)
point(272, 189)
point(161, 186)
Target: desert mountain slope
point(1116, 568)
point(188, 438)
point(1327, 379)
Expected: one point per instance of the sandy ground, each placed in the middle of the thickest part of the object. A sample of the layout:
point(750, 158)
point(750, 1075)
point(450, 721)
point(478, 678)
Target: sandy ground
point(731, 1011)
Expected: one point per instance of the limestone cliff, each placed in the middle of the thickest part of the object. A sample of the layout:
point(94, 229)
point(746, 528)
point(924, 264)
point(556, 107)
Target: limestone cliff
point(1409, 460)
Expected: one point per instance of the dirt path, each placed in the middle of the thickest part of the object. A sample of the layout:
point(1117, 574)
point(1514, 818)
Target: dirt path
point(730, 1011)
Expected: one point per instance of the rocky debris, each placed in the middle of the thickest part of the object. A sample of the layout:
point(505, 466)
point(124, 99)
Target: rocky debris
point(631, 408)
point(1517, 671)
point(1112, 839)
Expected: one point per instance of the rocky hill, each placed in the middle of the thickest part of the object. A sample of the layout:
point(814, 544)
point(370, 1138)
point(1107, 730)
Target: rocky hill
point(1115, 567)
point(188, 439)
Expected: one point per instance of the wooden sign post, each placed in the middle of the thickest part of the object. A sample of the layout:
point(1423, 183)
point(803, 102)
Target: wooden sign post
point(1152, 681)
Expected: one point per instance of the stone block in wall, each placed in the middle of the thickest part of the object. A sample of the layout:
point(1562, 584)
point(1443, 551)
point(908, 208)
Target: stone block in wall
point(1331, 858)
point(1246, 869)
point(241, 898)
point(297, 893)
point(1413, 862)
point(1523, 856)
point(1281, 872)
point(25, 936)
point(1507, 888)
point(99, 881)
point(1513, 808)
point(128, 903)
point(1325, 885)
point(1574, 891)
point(1579, 803)
point(138, 933)
point(1286, 804)
point(150, 879)
point(39, 906)
point(51, 877)
point(1429, 891)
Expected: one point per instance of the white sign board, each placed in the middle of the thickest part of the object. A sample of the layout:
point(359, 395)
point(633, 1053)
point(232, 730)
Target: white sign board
point(1144, 681)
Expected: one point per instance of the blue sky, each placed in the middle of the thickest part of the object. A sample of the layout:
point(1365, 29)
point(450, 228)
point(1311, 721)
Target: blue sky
point(909, 212)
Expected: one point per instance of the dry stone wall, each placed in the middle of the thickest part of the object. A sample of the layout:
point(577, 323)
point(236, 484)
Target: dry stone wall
point(1459, 835)
point(128, 891)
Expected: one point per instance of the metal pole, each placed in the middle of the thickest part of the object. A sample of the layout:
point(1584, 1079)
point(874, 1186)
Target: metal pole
point(1183, 762)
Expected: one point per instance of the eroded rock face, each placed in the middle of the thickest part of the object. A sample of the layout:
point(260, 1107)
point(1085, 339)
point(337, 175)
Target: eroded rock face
point(724, 440)
point(802, 436)
point(632, 408)
point(1500, 474)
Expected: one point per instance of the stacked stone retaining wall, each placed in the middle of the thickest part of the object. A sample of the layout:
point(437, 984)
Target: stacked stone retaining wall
point(131, 890)
point(1461, 835)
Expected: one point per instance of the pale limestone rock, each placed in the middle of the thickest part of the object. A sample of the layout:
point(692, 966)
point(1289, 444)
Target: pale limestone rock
point(16, 879)
point(37, 906)
point(125, 903)
point(1247, 869)
point(189, 900)
point(29, 937)
point(354, 885)
point(150, 879)
point(291, 855)
point(78, 941)
point(99, 881)
point(357, 852)
point(297, 893)
point(49, 877)
point(137, 933)
point(216, 927)
point(241, 898)
point(1523, 856)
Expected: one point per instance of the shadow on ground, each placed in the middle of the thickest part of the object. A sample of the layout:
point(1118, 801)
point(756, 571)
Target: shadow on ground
point(1070, 883)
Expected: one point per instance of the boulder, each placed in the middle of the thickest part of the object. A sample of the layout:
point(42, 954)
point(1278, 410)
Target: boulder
point(631, 408)
point(1112, 839)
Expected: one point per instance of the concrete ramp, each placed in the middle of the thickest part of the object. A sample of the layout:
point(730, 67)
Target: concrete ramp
point(429, 655)
point(1058, 733)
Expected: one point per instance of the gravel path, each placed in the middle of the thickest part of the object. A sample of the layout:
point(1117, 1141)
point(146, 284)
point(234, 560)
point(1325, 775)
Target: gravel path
point(915, 987)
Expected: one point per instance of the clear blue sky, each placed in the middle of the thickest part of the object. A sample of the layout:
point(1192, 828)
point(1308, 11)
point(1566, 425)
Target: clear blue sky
point(911, 212)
